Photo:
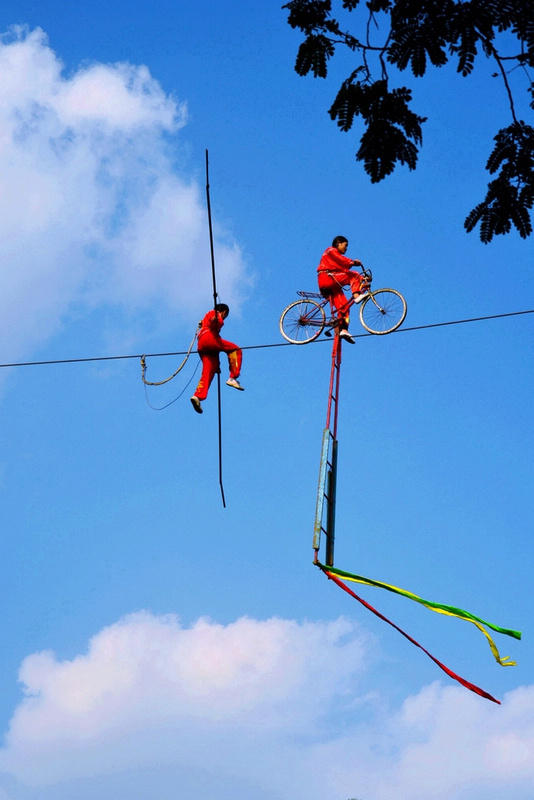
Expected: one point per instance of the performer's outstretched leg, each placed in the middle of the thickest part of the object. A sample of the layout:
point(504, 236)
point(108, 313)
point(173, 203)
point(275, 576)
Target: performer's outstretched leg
point(235, 358)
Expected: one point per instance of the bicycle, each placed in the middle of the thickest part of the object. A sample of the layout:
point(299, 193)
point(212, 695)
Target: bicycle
point(382, 311)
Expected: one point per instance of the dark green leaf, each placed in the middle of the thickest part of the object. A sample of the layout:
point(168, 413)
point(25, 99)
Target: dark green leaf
point(313, 54)
point(308, 14)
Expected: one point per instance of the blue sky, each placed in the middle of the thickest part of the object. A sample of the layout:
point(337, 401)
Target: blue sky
point(152, 639)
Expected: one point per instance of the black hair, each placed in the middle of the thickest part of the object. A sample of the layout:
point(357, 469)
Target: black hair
point(339, 240)
point(221, 307)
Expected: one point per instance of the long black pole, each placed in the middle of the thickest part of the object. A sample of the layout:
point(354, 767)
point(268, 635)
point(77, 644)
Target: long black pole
point(214, 304)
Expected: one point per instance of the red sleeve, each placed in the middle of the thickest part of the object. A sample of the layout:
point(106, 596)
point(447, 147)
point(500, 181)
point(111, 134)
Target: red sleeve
point(212, 322)
point(333, 259)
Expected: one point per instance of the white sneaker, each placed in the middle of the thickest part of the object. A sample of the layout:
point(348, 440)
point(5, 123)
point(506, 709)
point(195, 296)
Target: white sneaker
point(359, 297)
point(235, 383)
point(196, 404)
point(346, 335)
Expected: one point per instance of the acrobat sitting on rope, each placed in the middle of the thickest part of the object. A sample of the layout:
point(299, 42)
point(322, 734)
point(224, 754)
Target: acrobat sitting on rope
point(209, 346)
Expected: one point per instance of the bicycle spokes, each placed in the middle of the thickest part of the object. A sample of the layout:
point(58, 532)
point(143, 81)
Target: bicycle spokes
point(302, 321)
point(383, 311)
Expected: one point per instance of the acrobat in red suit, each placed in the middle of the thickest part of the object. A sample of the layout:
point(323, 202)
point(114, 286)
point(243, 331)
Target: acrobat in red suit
point(210, 345)
point(334, 272)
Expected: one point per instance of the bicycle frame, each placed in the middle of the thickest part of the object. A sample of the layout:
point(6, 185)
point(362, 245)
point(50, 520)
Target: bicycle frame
point(333, 322)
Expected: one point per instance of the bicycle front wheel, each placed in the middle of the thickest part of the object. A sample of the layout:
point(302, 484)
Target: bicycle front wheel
point(302, 321)
point(383, 311)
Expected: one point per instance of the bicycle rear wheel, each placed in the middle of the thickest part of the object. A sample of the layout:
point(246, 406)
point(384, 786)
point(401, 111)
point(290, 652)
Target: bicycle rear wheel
point(302, 321)
point(383, 311)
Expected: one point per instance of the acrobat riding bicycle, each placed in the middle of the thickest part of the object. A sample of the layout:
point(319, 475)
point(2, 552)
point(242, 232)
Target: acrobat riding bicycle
point(381, 311)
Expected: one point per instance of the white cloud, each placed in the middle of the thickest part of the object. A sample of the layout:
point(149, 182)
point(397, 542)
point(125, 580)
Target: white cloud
point(150, 691)
point(443, 744)
point(92, 209)
point(261, 707)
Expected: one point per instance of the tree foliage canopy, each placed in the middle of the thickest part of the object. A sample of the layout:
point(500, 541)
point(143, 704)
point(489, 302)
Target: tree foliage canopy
point(416, 34)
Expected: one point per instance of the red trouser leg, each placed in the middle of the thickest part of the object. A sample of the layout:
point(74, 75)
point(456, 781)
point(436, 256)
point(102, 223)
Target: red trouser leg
point(339, 302)
point(355, 282)
point(331, 286)
point(333, 290)
point(210, 366)
point(235, 357)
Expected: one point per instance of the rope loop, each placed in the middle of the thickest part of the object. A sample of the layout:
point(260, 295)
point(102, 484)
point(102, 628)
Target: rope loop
point(182, 365)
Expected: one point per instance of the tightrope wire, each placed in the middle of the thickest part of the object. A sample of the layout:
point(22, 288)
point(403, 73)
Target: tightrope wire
point(262, 346)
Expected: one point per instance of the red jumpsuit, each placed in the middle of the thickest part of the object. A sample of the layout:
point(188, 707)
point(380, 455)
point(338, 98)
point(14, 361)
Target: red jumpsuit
point(333, 274)
point(210, 345)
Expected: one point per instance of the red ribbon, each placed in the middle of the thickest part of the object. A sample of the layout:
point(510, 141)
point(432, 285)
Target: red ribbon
point(450, 673)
